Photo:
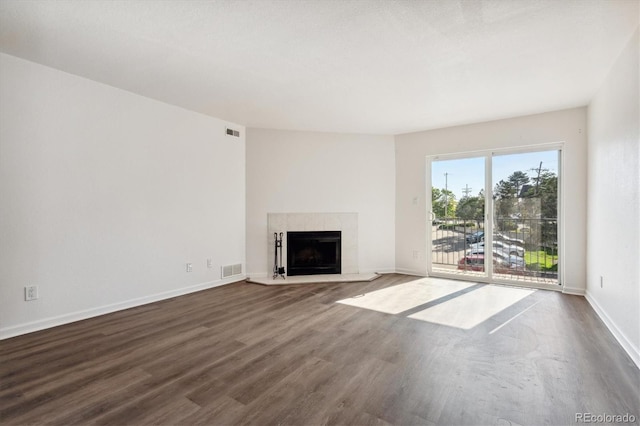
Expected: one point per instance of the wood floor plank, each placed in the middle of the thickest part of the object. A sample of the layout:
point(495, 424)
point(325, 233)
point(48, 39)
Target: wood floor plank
point(79, 395)
point(290, 355)
point(222, 410)
point(81, 367)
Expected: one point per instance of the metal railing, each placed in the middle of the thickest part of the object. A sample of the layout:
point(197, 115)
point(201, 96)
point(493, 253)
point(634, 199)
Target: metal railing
point(524, 249)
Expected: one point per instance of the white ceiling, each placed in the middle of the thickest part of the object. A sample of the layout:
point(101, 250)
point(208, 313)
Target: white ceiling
point(383, 67)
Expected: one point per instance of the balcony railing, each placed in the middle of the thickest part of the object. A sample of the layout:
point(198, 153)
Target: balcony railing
point(523, 249)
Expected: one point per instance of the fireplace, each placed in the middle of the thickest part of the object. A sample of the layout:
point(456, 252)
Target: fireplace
point(311, 253)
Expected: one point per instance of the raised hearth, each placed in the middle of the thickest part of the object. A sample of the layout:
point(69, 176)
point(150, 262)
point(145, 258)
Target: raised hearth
point(314, 279)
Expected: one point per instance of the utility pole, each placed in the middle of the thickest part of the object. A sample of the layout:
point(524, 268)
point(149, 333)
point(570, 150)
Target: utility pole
point(466, 190)
point(538, 179)
point(538, 170)
point(446, 196)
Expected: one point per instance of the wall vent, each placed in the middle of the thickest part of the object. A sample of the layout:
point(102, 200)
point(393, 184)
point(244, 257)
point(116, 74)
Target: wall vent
point(234, 133)
point(236, 269)
point(231, 270)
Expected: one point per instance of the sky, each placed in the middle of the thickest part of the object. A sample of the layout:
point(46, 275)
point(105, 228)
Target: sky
point(470, 171)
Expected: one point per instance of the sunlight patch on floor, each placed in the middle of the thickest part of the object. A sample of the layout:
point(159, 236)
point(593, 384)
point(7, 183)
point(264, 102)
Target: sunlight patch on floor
point(470, 309)
point(402, 297)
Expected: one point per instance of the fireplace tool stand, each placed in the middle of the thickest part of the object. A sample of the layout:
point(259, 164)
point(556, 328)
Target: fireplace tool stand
point(278, 269)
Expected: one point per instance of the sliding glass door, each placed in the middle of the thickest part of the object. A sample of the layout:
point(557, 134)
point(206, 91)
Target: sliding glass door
point(494, 217)
point(525, 215)
point(458, 216)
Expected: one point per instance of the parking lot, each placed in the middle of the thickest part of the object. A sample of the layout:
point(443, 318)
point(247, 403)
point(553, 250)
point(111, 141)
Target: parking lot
point(449, 246)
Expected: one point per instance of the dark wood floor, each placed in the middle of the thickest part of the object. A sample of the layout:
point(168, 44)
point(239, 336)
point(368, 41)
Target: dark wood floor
point(250, 354)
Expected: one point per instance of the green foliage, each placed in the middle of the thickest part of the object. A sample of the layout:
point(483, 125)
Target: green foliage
point(471, 208)
point(537, 201)
point(504, 199)
point(447, 226)
point(453, 226)
point(441, 198)
point(517, 180)
point(545, 193)
point(511, 187)
point(503, 189)
point(507, 225)
point(541, 261)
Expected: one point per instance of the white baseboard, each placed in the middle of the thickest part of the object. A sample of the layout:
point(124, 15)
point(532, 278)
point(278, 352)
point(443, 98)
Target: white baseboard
point(50, 322)
point(626, 344)
point(257, 275)
point(576, 291)
point(410, 272)
point(379, 271)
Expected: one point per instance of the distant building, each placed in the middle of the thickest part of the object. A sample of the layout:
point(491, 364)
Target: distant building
point(524, 190)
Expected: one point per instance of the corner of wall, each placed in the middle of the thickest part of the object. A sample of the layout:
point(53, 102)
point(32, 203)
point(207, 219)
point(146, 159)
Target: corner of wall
point(625, 342)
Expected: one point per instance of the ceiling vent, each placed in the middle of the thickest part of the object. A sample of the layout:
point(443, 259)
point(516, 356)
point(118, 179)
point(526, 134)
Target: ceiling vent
point(234, 133)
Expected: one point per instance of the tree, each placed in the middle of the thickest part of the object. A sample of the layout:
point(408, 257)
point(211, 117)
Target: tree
point(518, 180)
point(548, 192)
point(536, 205)
point(546, 189)
point(503, 189)
point(544, 196)
point(440, 198)
point(504, 195)
point(471, 208)
point(507, 195)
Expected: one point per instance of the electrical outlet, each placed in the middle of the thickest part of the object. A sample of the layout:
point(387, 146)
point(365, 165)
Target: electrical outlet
point(189, 267)
point(601, 281)
point(31, 292)
point(416, 254)
point(209, 263)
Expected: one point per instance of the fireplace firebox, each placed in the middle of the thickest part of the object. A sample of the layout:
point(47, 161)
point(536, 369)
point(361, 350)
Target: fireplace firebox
point(311, 253)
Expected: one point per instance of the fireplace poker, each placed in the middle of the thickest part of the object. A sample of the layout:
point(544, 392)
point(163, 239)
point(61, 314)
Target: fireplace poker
point(278, 269)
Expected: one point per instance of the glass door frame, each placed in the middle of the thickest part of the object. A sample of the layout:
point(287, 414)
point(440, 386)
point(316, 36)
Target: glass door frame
point(489, 214)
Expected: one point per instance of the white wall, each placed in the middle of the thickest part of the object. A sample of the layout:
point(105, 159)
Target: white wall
point(309, 172)
point(613, 229)
point(568, 126)
point(105, 195)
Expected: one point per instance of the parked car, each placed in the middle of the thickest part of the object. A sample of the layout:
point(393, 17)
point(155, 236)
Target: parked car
point(476, 237)
point(501, 237)
point(503, 247)
point(511, 260)
point(475, 262)
point(509, 248)
point(514, 262)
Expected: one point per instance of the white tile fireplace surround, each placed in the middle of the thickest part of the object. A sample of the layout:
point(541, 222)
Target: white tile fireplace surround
point(347, 223)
